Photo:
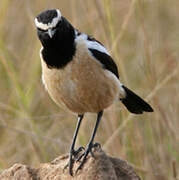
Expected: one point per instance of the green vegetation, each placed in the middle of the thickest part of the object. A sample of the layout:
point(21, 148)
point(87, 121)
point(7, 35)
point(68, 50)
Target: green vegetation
point(143, 38)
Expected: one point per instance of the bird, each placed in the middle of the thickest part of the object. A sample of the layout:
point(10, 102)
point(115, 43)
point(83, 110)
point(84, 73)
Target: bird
point(80, 75)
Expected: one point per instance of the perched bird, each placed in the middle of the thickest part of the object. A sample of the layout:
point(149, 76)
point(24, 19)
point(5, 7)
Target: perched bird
point(80, 75)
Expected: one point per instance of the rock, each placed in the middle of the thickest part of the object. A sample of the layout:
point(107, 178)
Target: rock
point(99, 167)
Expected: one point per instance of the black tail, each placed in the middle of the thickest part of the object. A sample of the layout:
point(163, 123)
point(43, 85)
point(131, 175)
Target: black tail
point(134, 103)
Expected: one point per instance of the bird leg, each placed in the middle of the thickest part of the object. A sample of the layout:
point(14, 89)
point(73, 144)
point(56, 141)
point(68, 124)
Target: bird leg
point(74, 153)
point(90, 145)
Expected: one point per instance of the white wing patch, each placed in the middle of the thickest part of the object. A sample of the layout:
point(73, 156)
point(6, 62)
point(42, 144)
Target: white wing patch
point(97, 46)
point(90, 44)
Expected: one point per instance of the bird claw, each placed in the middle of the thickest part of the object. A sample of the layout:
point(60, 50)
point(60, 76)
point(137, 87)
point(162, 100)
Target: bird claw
point(75, 153)
point(85, 154)
point(73, 158)
point(92, 154)
point(96, 145)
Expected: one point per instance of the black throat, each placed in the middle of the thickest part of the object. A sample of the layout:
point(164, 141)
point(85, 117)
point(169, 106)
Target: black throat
point(59, 50)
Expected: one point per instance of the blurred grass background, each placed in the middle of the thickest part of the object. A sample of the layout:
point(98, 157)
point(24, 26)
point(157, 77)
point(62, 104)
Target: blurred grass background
point(143, 38)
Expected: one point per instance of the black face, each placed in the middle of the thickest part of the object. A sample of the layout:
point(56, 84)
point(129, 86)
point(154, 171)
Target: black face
point(62, 33)
point(44, 36)
point(46, 27)
point(59, 47)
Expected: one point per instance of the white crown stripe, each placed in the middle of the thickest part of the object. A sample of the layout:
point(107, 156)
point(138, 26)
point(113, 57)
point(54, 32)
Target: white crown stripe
point(49, 25)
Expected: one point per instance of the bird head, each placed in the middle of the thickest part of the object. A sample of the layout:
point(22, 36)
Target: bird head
point(47, 22)
point(53, 28)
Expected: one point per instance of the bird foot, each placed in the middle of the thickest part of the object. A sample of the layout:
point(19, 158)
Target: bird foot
point(85, 154)
point(73, 157)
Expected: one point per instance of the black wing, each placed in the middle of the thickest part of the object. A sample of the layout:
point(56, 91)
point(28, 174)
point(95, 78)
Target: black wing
point(106, 60)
